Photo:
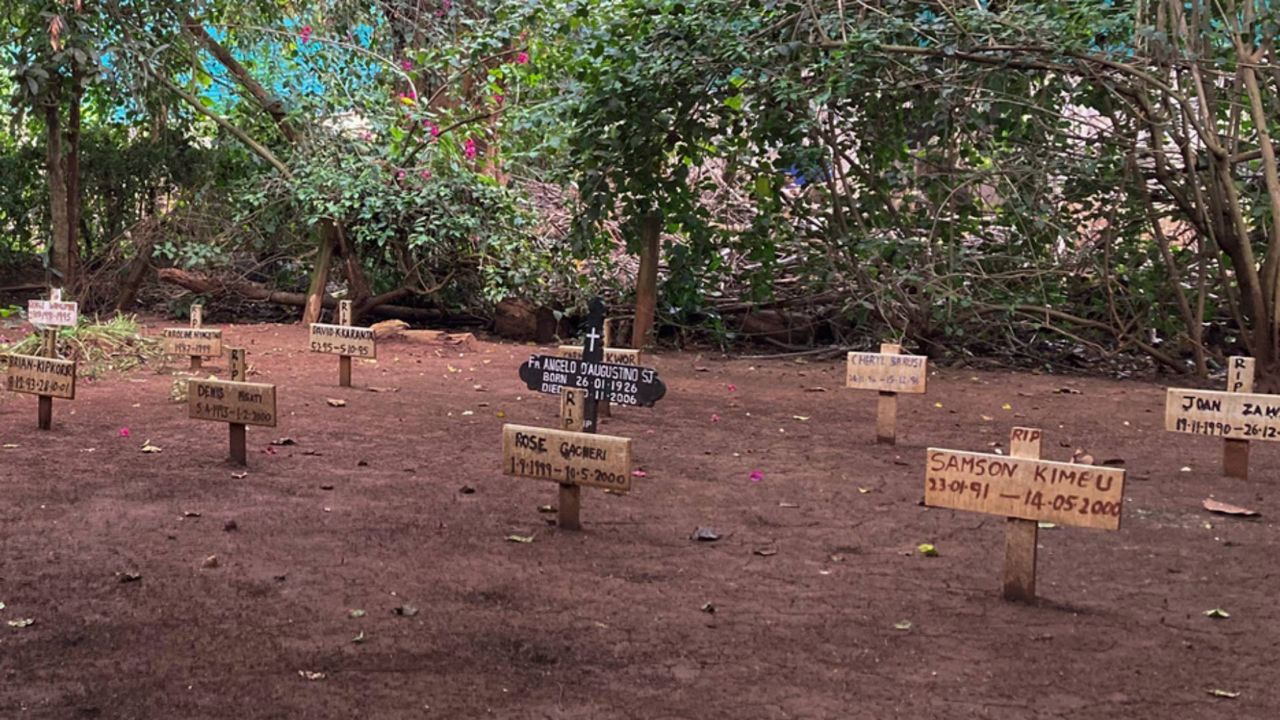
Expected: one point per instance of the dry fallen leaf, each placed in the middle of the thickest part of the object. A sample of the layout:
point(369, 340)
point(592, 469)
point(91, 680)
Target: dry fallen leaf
point(148, 448)
point(22, 622)
point(309, 675)
point(335, 402)
point(526, 539)
point(1222, 508)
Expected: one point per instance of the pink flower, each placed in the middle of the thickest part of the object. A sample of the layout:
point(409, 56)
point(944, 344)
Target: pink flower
point(305, 35)
point(499, 97)
point(406, 64)
point(639, 473)
point(715, 418)
point(435, 129)
point(731, 387)
point(124, 432)
point(426, 174)
point(756, 476)
point(469, 149)
point(399, 174)
point(522, 58)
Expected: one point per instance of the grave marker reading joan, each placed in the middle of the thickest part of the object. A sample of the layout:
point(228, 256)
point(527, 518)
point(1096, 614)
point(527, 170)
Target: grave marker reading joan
point(235, 402)
point(45, 375)
point(343, 340)
point(196, 342)
point(889, 372)
point(1026, 490)
point(576, 456)
point(1237, 415)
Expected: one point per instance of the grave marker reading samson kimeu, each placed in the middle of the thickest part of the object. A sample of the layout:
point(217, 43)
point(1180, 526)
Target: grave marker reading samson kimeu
point(574, 455)
point(890, 372)
point(235, 401)
point(45, 375)
point(1026, 490)
point(196, 342)
point(344, 341)
point(1237, 415)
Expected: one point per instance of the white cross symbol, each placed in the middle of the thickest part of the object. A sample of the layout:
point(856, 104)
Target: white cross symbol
point(592, 336)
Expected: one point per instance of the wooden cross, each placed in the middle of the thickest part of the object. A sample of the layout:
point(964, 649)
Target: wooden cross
point(570, 503)
point(1027, 491)
point(889, 372)
point(1237, 415)
point(44, 375)
point(343, 340)
point(236, 401)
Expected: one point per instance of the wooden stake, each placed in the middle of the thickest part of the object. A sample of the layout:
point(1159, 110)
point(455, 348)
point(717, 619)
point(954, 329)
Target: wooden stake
point(239, 373)
point(887, 410)
point(344, 361)
point(605, 411)
point(49, 348)
point(1021, 536)
point(1235, 452)
point(197, 322)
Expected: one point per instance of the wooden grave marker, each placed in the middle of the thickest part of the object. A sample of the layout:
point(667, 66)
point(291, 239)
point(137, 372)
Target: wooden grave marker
point(196, 342)
point(1237, 415)
point(1027, 490)
point(889, 372)
point(575, 454)
point(343, 340)
point(233, 401)
point(45, 375)
point(617, 356)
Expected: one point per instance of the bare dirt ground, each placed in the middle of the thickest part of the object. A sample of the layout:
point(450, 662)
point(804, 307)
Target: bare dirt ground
point(367, 512)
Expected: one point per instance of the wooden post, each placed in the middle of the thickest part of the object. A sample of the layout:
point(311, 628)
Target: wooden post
point(197, 322)
point(1235, 452)
point(1021, 536)
point(887, 410)
point(239, 373)
point(344, 361)
point(572, 403)
point(605, 411)
point(49, 348)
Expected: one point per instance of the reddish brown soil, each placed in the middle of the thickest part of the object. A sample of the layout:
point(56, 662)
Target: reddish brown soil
point(608, 622)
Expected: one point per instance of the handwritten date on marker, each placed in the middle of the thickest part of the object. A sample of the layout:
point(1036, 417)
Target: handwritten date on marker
point(570, 458)
point(192, 341)
point(1061, 493)
point(619, 384)
point(1243, 416)
point(232, 402)
point(42, 376)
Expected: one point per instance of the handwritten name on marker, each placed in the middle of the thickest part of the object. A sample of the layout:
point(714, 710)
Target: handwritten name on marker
point(243, 403)
point(42, 376)
point(52, 312)
point(1061, 493)
point(887, 373)
point(193, 341)
point(1243, 416)
point(570, 458)
point(343, 340)
point(616, 356)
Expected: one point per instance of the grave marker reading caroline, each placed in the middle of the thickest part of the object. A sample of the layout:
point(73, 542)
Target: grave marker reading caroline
point(196, 342)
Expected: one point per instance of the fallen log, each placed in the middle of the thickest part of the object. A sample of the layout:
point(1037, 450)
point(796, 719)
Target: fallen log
point(214, 287)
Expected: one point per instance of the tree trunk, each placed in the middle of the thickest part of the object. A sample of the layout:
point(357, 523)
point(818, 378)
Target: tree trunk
point(55, 175)
point(75, 199)
point(319, 275)
point(647, 279)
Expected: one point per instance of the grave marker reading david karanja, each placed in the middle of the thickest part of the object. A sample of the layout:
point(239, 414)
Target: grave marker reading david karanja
point(576, 456)
point(890, 372)
point(196, 342)
point(1026, 490)
point(45, 375)
point(1237, 415)
point(343, 340)
point(234, 401)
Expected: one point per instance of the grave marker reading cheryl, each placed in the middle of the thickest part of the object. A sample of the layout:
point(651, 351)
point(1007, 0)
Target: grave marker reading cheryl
point(1026, 490)
point(343, 340)
point(196, 342)
point(45, 375)
point(582, 383)
point(890, 372)
point(236, 402)
point(1237, 415)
